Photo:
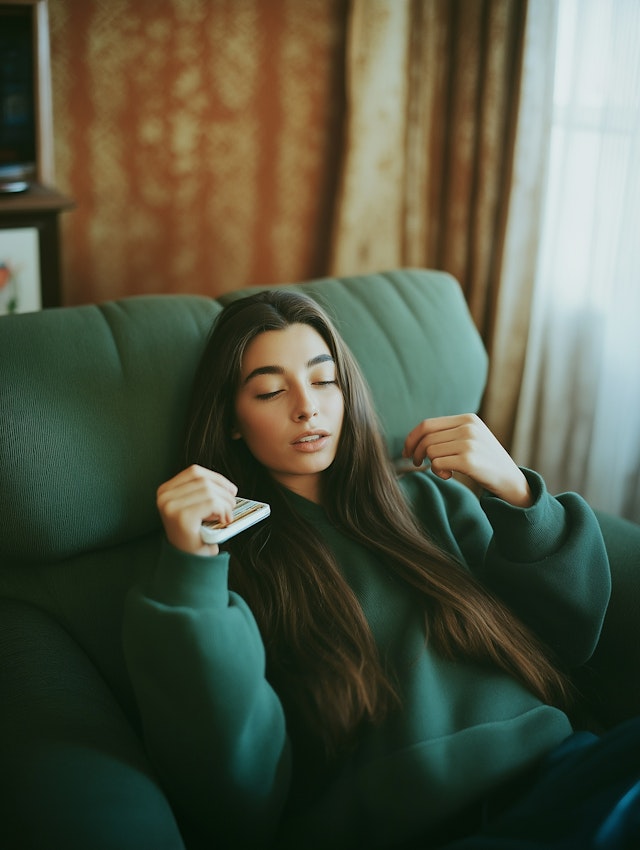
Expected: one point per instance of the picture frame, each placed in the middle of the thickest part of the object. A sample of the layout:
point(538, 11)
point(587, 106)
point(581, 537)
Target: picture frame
point(20, 287)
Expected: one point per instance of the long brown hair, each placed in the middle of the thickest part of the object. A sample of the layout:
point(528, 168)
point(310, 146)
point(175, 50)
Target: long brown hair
point(321, 655)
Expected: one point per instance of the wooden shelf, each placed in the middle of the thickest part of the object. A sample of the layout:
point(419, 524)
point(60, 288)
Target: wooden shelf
point(36, 198)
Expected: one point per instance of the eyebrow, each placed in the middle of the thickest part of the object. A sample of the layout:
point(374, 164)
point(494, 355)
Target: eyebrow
point(278, 370)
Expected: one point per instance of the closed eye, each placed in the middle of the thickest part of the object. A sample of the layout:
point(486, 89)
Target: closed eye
point(275, 393)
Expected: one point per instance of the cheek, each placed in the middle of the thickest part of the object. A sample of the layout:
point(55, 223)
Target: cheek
point(256, 427)
point(247, 419)
point(338, 409)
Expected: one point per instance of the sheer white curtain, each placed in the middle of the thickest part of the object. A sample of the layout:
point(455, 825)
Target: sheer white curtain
point(579, 413)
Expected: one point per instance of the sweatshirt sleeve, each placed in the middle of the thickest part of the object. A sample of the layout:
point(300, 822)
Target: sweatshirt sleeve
point(548, 562)
point(213, 727)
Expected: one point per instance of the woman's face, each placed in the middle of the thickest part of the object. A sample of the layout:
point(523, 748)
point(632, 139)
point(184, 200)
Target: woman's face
point(289, 408)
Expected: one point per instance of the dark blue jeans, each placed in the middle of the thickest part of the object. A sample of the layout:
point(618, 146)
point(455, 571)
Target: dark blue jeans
point(584, 796)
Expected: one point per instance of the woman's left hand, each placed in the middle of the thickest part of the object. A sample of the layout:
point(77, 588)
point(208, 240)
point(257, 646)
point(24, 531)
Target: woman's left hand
point(464, 444)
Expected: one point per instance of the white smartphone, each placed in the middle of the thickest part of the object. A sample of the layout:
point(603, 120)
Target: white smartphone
point(245, 514)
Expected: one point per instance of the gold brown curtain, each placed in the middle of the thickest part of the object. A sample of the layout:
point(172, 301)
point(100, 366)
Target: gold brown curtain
point(433, 93)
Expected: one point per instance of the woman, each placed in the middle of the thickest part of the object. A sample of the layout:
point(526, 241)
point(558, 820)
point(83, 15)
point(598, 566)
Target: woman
point(381, 663)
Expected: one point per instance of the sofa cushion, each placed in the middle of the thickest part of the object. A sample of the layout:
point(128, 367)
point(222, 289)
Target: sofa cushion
point(92, 404)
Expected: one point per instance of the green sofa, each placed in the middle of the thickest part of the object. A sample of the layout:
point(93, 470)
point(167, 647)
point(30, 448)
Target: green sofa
point(92, 401)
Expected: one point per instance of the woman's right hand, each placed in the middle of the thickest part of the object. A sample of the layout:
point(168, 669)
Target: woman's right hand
point(194, 495)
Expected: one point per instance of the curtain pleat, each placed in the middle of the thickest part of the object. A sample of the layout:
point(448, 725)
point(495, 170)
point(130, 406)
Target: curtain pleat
point(513, 305)
point(368, 217)
point(432, 104)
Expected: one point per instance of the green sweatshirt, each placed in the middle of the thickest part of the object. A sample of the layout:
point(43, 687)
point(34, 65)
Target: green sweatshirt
point(216, 731)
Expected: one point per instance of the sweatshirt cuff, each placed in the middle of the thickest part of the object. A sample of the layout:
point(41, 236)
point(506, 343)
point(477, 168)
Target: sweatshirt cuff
point(530, 534)
point(186, 580)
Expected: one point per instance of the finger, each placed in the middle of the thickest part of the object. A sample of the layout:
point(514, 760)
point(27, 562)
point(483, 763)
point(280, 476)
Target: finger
point(445, 474)
point(441, 444)
point(182, 518)
point(201, 496)
point(415, 443)
point(190, 490)
point(429, 429)
point(198, 478)
point(201, 505)
point(444, 467)
point(197, 473)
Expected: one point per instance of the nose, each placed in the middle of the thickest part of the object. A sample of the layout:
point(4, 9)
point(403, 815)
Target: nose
point(306, 407)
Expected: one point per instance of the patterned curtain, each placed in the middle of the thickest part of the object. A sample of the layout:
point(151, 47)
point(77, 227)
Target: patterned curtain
point(433, 90)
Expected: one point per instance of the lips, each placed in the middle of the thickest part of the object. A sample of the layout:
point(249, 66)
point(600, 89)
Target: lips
point(309, 438)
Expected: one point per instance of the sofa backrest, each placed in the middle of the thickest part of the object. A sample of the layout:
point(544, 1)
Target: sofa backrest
point(92, 398)
point(91, 404)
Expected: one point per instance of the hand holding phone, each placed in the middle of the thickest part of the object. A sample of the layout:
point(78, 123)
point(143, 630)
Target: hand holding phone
point(245, 514)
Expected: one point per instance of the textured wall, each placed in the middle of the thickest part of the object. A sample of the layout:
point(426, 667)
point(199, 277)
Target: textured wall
point(200, 140)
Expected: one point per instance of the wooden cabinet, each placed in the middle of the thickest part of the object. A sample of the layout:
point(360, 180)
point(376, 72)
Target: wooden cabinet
point(26, 154)
point(38, 208)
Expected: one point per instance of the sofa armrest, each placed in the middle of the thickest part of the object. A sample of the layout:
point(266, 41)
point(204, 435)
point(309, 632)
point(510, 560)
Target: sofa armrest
point(73, 773)
point(611, 680)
